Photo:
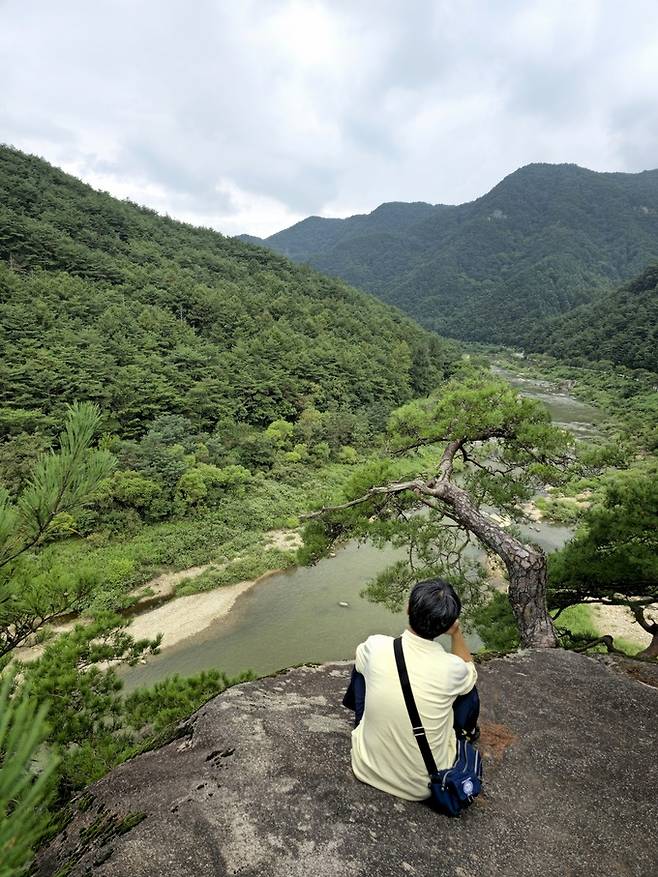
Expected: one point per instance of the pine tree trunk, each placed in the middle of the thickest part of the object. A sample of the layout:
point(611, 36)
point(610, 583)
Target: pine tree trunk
point(526, 567)
point(525, 564)
point(651, 650)
point(527, 596)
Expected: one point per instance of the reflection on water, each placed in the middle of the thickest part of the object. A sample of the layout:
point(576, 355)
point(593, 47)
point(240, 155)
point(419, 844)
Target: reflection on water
point(290, 618)
point(296, 616)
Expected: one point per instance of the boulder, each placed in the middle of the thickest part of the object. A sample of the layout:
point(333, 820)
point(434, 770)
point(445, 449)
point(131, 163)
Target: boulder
point(258, 782)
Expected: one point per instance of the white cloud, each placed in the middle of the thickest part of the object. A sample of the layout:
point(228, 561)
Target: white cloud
point(249, 116)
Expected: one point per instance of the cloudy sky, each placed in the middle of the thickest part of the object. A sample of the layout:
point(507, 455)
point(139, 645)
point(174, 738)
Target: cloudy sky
point(247, 115)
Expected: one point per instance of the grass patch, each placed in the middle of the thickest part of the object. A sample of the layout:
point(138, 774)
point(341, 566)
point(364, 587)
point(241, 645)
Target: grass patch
point(578, 621)
point(231, 536)
point(495, 624)
point(239, 570)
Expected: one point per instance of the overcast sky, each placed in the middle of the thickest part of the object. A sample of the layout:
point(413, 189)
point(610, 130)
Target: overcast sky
point(247, 115)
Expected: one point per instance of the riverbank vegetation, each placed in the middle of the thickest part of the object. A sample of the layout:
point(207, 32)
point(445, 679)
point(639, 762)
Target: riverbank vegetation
point(613, 559)
point(627, 398)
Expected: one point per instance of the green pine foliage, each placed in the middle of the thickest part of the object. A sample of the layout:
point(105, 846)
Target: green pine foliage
point(614, 556)
point(544, 240)
point(33, 587)
point(23, 788)
point(97, 725)
point(508, 448)
point(495, 624)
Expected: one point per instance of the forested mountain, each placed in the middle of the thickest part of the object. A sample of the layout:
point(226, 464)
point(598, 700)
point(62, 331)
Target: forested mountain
point(544, 240)
point(106, 301)
point(620, 326)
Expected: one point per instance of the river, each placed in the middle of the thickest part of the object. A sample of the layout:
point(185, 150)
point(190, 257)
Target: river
point(295, 616)
point(570, 413)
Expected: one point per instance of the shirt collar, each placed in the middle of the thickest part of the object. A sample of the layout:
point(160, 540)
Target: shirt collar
point(419, 642)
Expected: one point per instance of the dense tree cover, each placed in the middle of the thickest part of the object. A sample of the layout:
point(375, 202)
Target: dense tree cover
point(210, 361)
point(104, 301)
point(206, 367)
point(545, 239)
point(485, 446)
point(620, 327)
point(613, 559)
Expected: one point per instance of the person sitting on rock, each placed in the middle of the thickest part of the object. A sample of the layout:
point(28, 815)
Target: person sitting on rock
point(384, 750)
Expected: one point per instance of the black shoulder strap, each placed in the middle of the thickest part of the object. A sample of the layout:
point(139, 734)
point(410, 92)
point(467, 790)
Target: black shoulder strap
point(416, 724)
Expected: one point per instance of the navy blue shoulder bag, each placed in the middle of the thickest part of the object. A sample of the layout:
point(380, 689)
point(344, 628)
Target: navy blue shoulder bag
point(454, 788)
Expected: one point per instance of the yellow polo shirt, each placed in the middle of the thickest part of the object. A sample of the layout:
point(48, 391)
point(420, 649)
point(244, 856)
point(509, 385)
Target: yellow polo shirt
point(384, 750)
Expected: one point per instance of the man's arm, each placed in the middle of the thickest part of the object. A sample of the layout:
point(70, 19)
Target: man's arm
point(459, 646)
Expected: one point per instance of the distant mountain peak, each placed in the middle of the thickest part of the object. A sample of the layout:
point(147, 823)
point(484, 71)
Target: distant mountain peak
point(546, 238)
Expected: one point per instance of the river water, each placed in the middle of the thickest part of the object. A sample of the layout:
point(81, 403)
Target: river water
point(296, 617)
point(570, 413)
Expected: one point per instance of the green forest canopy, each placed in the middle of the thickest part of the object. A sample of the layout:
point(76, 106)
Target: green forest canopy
point(620, 326)
point(105, 301)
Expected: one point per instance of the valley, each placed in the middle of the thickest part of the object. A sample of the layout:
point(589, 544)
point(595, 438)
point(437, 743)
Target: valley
point(322, 323)
point(213, 459)
point(297, 616)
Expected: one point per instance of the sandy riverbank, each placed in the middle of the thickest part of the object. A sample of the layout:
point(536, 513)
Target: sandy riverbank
point(176, 619)
point(618, 621)
point(181, 617)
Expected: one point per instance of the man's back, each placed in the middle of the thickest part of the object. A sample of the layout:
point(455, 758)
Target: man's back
point(384, 750)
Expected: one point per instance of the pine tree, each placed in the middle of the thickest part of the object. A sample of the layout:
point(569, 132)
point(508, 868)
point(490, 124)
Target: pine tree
point(613, 559)
point(23, 790)
point(62, 482)
point(484, 447)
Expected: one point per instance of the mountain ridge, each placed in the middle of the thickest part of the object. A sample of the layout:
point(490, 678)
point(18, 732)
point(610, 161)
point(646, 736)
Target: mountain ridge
point(620, 326)
point(545, 239)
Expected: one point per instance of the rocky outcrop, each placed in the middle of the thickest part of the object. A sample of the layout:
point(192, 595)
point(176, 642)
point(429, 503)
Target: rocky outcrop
point(259, 783)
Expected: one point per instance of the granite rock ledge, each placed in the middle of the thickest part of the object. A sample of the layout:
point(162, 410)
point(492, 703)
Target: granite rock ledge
point(259, 783)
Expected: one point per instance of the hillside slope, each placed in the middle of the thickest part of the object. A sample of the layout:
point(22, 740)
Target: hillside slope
point(544, 240)
point(620, 326)
point(103, 300)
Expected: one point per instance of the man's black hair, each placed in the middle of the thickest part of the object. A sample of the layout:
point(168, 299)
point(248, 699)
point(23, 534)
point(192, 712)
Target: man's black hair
point(434, 606)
